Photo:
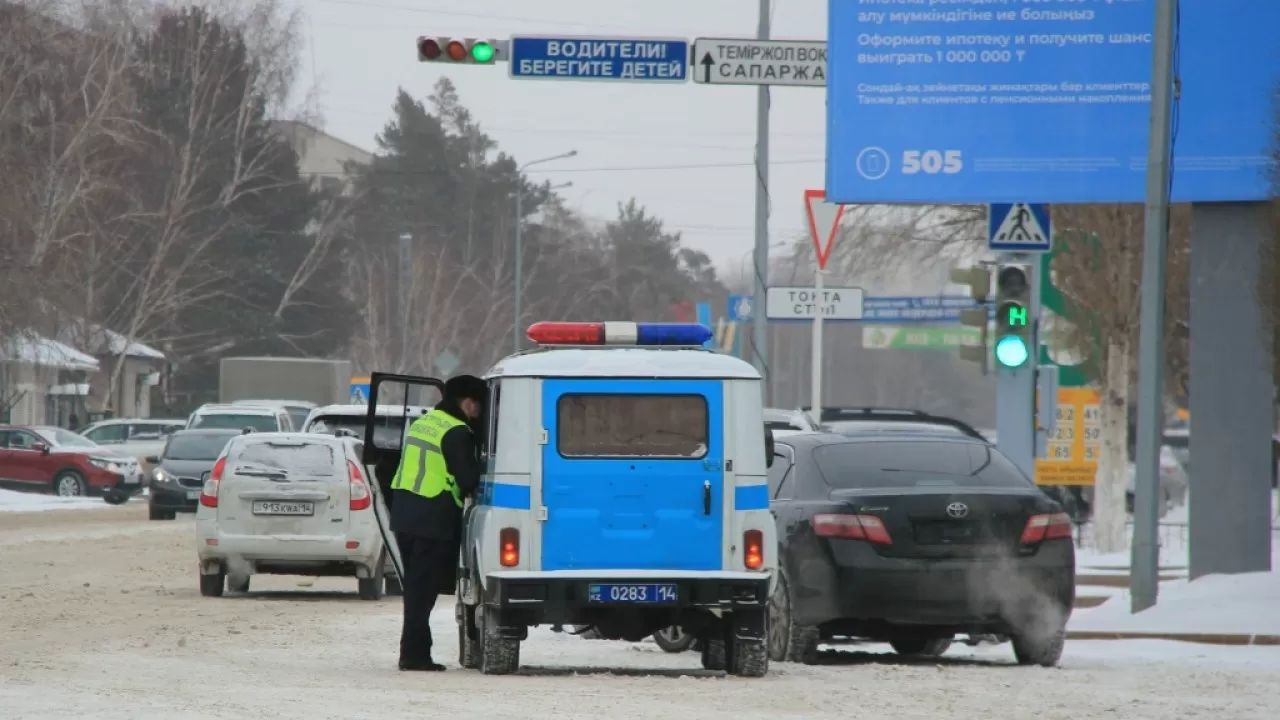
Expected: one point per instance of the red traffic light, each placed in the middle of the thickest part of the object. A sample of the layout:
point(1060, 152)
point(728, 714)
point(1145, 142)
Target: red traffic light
point(428, 49)
point(457, 51)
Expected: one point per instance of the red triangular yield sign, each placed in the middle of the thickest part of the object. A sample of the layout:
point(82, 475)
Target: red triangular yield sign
point(824, 221)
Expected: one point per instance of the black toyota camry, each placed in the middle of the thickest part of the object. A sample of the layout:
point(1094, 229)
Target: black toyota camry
point(913, 540)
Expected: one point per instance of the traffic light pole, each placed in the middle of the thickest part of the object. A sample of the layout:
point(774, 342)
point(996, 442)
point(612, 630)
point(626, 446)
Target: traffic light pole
point(760, 259)
point(1016, 387)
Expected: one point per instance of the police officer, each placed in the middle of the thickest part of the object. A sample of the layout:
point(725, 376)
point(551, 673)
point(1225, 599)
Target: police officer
point(440, 466)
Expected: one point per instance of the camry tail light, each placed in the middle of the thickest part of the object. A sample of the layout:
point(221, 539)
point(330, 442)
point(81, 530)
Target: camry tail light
point(1047, 527)
point(753, 545)
point(209, 493)
point(852, 527)
point(361, 498)
point(509, 542)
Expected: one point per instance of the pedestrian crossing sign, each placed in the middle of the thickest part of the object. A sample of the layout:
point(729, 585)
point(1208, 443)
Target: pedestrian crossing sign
point(1019, 227)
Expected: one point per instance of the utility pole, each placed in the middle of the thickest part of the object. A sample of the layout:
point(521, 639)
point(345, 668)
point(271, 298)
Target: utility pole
point(518, 291)
point(1145, 552)
point(760, 320)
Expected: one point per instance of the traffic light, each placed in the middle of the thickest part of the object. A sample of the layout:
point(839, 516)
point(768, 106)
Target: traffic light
point(979, 281)
point(467, 51)
point(1013, 316)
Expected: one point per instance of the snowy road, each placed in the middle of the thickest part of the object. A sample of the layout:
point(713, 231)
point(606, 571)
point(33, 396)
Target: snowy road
point(100, 617)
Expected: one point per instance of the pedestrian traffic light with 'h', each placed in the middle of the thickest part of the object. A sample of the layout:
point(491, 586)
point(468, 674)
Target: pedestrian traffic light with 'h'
point(1013, 316)
point(467, 51)
point(978, 279)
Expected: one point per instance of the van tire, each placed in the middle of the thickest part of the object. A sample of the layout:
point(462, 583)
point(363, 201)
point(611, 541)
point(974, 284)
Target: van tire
point(499, 655)
point(238, 583)
point(371, 588)
point(750, 658)
point(212, 585)
point(470, 648)
point(714, 654)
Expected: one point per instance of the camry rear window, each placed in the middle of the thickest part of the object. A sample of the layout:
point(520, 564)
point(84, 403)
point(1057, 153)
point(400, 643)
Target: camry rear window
point(293, 458)
point(616, 426)
point(233, 421)
point(916, 464)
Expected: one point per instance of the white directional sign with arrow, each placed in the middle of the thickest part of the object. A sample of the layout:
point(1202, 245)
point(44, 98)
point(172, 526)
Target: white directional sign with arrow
point(739, 61)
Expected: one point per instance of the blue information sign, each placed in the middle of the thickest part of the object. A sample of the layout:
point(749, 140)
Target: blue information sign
point(929, 309)
point(1043, 101)
point(650, 60)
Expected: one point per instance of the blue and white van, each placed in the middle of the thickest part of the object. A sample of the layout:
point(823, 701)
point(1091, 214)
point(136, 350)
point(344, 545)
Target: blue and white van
point(625, 490)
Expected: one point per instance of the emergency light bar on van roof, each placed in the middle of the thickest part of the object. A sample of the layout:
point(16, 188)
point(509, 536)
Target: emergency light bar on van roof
point(620, 334)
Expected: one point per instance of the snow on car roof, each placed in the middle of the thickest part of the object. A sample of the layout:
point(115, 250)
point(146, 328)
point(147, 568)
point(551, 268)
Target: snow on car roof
point(624, 362)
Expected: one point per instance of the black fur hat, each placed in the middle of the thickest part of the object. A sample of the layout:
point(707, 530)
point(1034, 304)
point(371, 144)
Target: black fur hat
point(464, 387)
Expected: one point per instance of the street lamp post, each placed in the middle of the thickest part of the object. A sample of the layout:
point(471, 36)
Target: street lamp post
point(515, 325)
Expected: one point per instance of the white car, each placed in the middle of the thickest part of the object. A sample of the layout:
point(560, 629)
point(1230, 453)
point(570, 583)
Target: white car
point(288, 504)
point(297, 409)
point(138, 437)
point(261, 418)
point(329, 419)
point(788, 422)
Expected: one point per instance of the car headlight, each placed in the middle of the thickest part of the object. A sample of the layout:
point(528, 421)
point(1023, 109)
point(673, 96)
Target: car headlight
point(105, 464)
point(160, 476)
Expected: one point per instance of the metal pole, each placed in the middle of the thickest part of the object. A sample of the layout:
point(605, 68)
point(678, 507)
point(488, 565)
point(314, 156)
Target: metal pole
point(815, 376)
point(1144, 578)
point(760, 326)
point(515, 323)
point(405, 284)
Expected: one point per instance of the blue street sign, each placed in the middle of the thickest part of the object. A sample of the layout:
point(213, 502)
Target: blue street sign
point(359, 390)
point(935, 309)
point(1019, 227)
point(1047, 102)
point(650, 60)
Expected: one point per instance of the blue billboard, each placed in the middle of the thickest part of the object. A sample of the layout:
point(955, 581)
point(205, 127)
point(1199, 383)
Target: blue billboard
point(647, 60)
point(1043, 101)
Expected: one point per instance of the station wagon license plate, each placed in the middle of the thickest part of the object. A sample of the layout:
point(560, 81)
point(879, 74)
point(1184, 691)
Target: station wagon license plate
point(633, 593)
point(266, 507)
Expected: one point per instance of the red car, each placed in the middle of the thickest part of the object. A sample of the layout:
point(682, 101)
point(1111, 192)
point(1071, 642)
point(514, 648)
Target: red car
point(66, 464)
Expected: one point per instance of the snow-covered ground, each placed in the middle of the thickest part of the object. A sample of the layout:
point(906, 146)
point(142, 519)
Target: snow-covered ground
point(100, 617)
point(29, 501)
point(1247, 604)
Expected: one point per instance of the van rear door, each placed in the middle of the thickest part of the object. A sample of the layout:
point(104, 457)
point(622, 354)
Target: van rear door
point(632, 474)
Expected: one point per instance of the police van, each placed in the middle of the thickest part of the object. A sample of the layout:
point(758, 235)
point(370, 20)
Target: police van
point(624, 490)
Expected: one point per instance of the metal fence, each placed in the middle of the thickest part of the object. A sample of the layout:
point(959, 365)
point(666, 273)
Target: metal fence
point(1171, 534)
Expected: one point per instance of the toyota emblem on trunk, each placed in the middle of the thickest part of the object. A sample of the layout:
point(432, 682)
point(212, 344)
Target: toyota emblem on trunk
point(958, 510)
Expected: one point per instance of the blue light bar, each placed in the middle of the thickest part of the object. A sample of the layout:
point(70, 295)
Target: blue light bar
point(684, 334)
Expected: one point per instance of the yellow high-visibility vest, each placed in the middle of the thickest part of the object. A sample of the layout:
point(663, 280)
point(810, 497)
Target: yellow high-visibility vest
point(423, 470)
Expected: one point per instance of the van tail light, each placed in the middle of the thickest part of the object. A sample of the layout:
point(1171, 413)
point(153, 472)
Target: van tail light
point(1047, 527)
point(209, 493)
point(509, 541)
point(753, 545)
point(361, 498)
point(852, 527)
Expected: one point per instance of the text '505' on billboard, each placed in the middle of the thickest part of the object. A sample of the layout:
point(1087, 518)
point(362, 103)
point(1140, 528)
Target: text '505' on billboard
point(804, 303)
point(1044, 102)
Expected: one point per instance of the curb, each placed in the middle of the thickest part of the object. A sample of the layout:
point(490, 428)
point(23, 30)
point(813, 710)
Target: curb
point(1200, 638)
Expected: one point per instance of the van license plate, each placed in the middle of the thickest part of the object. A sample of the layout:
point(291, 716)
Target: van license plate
point(283, 508)
point(645, 594)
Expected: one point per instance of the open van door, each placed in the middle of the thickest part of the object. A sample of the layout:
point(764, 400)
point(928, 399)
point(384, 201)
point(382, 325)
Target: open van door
point(395, 401)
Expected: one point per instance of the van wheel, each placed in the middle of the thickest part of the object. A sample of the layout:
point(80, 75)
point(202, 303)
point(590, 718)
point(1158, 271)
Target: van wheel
point(212, 585)
point(238, 583)
point(788, 640)
point(750, 658)
point(470, 649)
point(499, 655)
point(371, 587)
point(673, 639)
point(713, 654)
point(392, 586)
point(68, 483)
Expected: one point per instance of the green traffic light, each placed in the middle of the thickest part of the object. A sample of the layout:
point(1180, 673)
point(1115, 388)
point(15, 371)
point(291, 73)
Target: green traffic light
point(1011, 351)
point(482, 52)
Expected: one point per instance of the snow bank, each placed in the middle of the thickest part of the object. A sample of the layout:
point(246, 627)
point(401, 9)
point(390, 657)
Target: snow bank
point(1248, 604)
point(13, 501)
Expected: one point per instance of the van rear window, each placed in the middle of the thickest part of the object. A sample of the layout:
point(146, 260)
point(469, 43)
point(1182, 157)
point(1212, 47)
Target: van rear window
point(632, 426)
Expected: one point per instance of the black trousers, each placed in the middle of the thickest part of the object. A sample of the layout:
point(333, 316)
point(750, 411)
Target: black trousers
point(428, 564)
